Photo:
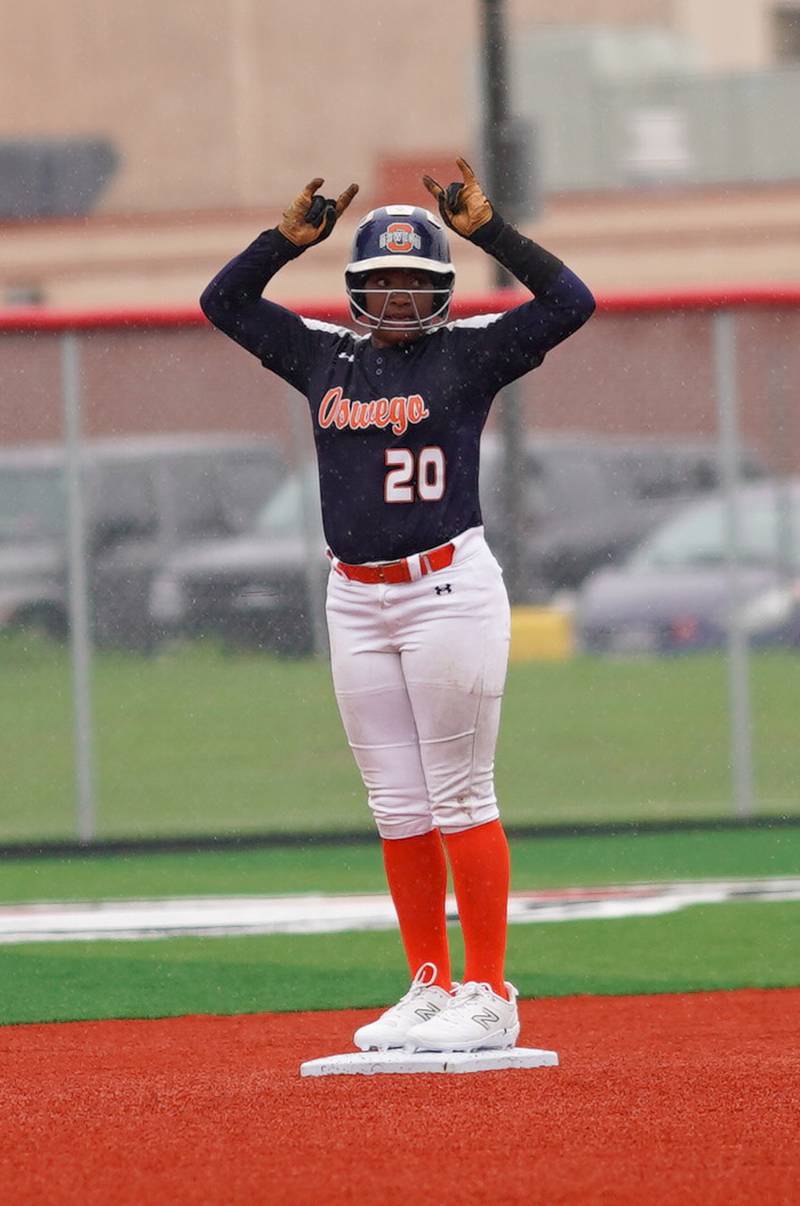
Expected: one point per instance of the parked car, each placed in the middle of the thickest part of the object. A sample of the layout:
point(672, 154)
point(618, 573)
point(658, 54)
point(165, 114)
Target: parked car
point(586, 499)
point(673, 593)
point(144, 496)
point(255, 589)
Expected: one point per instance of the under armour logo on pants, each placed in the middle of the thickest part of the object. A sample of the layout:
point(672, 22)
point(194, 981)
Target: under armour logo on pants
point(444, 590)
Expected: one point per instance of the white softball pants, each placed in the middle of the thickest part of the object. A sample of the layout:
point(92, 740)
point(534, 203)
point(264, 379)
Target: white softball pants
point(419, 671)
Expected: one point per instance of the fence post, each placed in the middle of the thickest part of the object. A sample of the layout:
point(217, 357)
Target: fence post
point(738, 651)
point(80, 646)
point(316, 571)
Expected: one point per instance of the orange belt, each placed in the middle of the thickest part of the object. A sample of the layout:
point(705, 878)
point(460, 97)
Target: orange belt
point(398, 571)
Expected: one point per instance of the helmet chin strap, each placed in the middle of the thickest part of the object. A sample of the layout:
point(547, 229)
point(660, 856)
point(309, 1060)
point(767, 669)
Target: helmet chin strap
point(381, 322)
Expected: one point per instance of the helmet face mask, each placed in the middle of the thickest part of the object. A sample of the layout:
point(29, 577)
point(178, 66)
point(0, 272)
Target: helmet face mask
point(406, 237)
point(358, 296)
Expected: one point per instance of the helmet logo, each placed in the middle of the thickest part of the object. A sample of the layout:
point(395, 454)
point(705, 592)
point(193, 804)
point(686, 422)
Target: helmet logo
point(400, 236)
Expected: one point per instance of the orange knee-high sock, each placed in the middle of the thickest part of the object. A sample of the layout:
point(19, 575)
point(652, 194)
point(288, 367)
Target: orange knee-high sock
point(416, 870)
point(479, 861)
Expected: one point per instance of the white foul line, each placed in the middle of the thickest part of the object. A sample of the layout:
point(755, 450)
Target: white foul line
point(218, 916)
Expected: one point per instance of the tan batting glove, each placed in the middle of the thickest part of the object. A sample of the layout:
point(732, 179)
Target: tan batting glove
point(463, 206)
point(311, 217)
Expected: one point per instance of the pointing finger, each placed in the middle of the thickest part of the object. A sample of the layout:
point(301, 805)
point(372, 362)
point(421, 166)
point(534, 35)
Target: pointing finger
point(344, 199)
point(435, 189)
point(312, 186)
point(466, 170)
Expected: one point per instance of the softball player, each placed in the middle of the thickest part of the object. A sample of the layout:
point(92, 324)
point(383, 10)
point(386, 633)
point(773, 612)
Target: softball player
point(417, 611)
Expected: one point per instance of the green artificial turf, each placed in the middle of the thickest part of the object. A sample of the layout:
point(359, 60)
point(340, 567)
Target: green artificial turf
point(197, 741)
point(536, 863)
point(721, 946)
point(704, 947)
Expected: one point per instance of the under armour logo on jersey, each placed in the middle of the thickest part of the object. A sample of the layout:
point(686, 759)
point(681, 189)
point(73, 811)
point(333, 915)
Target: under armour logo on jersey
point(344, 356)
point(444, 590)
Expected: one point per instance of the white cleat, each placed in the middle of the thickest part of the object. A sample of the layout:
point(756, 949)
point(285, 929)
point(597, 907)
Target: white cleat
point(423, 1000)
point(476, 1020)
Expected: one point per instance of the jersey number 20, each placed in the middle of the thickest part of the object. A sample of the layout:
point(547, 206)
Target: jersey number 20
point(410, 478)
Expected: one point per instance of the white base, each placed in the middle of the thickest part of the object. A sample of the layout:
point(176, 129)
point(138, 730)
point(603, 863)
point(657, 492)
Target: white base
point(370, 1063)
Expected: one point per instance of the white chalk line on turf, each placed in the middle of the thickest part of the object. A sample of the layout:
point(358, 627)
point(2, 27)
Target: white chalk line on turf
point(219, 916)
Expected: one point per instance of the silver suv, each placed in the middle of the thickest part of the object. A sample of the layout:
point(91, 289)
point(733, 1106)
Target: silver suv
point(144, 497)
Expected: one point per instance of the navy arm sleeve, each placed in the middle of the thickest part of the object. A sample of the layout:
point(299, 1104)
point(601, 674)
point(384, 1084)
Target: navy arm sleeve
point(511, 344)
point(232, 301)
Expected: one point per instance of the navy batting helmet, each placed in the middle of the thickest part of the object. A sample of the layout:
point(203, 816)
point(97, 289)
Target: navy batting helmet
point(400, 236)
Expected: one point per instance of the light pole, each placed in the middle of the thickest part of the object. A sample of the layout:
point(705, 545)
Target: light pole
point(502, 138)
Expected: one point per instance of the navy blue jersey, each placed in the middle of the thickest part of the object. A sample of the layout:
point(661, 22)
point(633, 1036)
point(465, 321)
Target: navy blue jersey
point(397, 429)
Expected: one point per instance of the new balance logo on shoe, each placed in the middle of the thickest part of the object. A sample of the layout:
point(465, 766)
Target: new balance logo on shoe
point(426, 1012)
point(485, 1019)
point(444, 590)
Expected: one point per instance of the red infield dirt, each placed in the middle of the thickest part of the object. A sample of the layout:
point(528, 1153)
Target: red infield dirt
point(666, 1099)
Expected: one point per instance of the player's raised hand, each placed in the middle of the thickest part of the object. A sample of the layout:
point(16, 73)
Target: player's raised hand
point(311, 217)
point(462, 204)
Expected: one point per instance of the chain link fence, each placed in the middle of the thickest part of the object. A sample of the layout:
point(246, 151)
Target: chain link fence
point(162, 566)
